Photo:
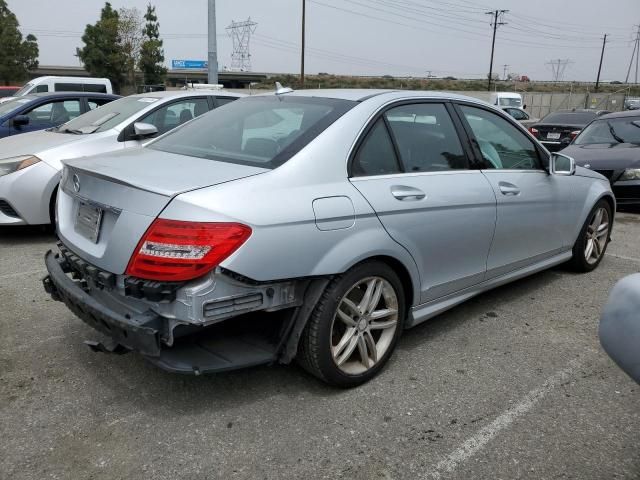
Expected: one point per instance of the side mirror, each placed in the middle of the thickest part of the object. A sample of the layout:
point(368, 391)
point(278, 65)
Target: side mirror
point(524, 107)
point(20, 120)
point(144, 130)
point(565, 141)
point(560, 164)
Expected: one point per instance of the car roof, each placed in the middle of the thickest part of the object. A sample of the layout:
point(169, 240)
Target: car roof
point(580, 110)
point(69, 94)
point(362, 94)
point(626, 113)
point(187, 93)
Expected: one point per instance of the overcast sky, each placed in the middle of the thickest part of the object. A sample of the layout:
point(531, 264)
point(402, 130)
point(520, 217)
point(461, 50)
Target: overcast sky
point(371, 37)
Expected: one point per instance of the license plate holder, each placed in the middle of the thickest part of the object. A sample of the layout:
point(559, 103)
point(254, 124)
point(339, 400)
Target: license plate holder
point(88, 221)
point(553, 135)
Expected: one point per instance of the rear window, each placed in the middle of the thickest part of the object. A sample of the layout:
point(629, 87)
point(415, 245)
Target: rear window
point(260, 131)
point(569, 118)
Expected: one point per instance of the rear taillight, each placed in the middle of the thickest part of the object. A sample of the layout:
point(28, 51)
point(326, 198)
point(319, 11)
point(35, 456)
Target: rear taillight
point(575, 133)
point(534, 131)
point(173, 250)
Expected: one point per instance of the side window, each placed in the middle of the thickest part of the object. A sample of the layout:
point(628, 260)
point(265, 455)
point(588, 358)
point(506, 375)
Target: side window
point(54, 113)
point(96, 102)
point(94, 88)
point(502, 145)
point(376, 155)
point(170, 116)
point(42, 89)
point(68, 87)
point(426, 138)
point(517, 114)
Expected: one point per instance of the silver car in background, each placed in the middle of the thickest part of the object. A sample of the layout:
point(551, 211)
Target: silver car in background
point(315, 225)
point(31, 163)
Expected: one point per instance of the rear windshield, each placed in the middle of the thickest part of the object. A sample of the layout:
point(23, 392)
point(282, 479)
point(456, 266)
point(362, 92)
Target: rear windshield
point(258, 131)
point(569, 118)
point(108, 116)
point(614, 130)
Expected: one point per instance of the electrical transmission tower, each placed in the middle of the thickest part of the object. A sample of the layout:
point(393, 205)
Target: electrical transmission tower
point(636, 52)
point(558, 67)
point(240, 33)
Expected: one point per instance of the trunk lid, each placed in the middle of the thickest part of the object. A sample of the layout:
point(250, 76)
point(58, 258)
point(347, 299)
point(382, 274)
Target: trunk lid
point(106, 203)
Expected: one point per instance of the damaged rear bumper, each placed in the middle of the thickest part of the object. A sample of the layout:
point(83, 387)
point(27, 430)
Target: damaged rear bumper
point(135, 332)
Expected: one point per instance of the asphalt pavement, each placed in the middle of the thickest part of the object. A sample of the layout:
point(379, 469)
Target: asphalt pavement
point(511, 384)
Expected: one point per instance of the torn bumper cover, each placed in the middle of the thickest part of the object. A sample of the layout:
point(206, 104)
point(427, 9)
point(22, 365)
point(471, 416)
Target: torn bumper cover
point(135, 332)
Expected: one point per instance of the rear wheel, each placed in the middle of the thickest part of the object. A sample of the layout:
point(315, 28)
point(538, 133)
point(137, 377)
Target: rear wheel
point(591, 244)
point(355, 326)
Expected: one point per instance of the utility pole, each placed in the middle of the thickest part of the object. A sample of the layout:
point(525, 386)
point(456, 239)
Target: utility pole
point(504, 71)
point(634, 53)
point(604, 42)
point(495, 24)
point(212, 44)
point(304, 4)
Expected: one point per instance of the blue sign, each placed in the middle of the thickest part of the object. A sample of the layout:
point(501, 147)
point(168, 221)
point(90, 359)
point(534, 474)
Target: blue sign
point(189, 64)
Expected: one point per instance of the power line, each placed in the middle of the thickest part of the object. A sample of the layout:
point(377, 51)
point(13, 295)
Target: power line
point(497, 14)
point(557, 68)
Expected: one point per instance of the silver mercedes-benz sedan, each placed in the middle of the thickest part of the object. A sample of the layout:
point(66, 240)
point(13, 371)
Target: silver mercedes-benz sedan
point(30, 163)
point(315, 225)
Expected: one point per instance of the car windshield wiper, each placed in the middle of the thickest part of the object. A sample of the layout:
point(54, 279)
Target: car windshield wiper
point(614, 135)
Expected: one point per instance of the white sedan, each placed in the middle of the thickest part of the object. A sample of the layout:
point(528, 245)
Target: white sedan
point(30, 164)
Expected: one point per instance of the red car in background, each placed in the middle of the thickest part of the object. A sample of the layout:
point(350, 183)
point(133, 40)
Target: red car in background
point(8, 91)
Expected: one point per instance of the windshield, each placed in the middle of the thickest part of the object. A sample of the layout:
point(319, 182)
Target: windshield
point(569, 118)
point(108, 116)
point(9, 106)
point(614, 130)
point(24, 90)
point(510, 102)
point(258, 131)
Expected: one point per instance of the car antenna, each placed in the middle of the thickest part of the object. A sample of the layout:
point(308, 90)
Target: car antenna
point(280, 89)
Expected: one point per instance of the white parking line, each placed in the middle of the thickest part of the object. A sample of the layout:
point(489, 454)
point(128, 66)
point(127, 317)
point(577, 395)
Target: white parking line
point(631, 259)
point(472, 445)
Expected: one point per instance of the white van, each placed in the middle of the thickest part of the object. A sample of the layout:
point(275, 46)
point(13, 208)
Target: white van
point(66, 84)
point(506, 99)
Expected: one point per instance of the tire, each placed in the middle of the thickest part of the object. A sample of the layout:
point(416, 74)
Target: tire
point(338, 325)
point(581, 262)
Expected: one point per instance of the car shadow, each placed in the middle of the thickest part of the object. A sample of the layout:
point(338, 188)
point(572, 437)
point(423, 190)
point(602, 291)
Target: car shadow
point(129, 378)
point(27, 234)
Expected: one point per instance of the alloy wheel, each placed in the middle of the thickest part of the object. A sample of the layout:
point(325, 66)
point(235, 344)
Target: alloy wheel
point(597, 235)
point(364, 325)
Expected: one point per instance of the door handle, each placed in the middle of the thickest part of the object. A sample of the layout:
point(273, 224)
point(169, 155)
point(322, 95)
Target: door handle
point(507, 188)
point(404, 193)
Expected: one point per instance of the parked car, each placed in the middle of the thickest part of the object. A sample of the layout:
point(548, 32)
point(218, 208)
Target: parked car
point(506, 99)
point(557, 129)
point(304, 203)
point(65, 84)
point(521, 115)
point(8, 91)
point(46, 110)
point(610, 145)
point(620, 325)
point(31, 163)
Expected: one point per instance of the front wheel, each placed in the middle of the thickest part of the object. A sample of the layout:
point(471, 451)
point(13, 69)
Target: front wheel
point(592, 241)
point(355, 326)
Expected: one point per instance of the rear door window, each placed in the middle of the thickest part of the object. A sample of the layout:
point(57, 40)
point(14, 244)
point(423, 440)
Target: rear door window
point(170, 116)
point(376, 155)
point(54, 113)
point(426, 138)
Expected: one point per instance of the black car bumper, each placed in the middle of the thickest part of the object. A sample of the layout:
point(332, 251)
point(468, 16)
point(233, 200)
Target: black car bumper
point(627, 192)
point(135, 332)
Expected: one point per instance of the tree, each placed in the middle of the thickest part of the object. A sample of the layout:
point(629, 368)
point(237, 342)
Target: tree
point(130, 36)
point(151, 52)
point(102, 53)
point(17, 56)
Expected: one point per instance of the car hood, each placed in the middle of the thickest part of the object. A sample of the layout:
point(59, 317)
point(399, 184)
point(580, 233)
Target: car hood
point(167, 174)
point(605, 156)
point(33, 143)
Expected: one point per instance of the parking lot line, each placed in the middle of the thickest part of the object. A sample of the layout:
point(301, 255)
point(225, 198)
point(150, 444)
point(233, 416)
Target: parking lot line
point(632, 259)
point(472, 445)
